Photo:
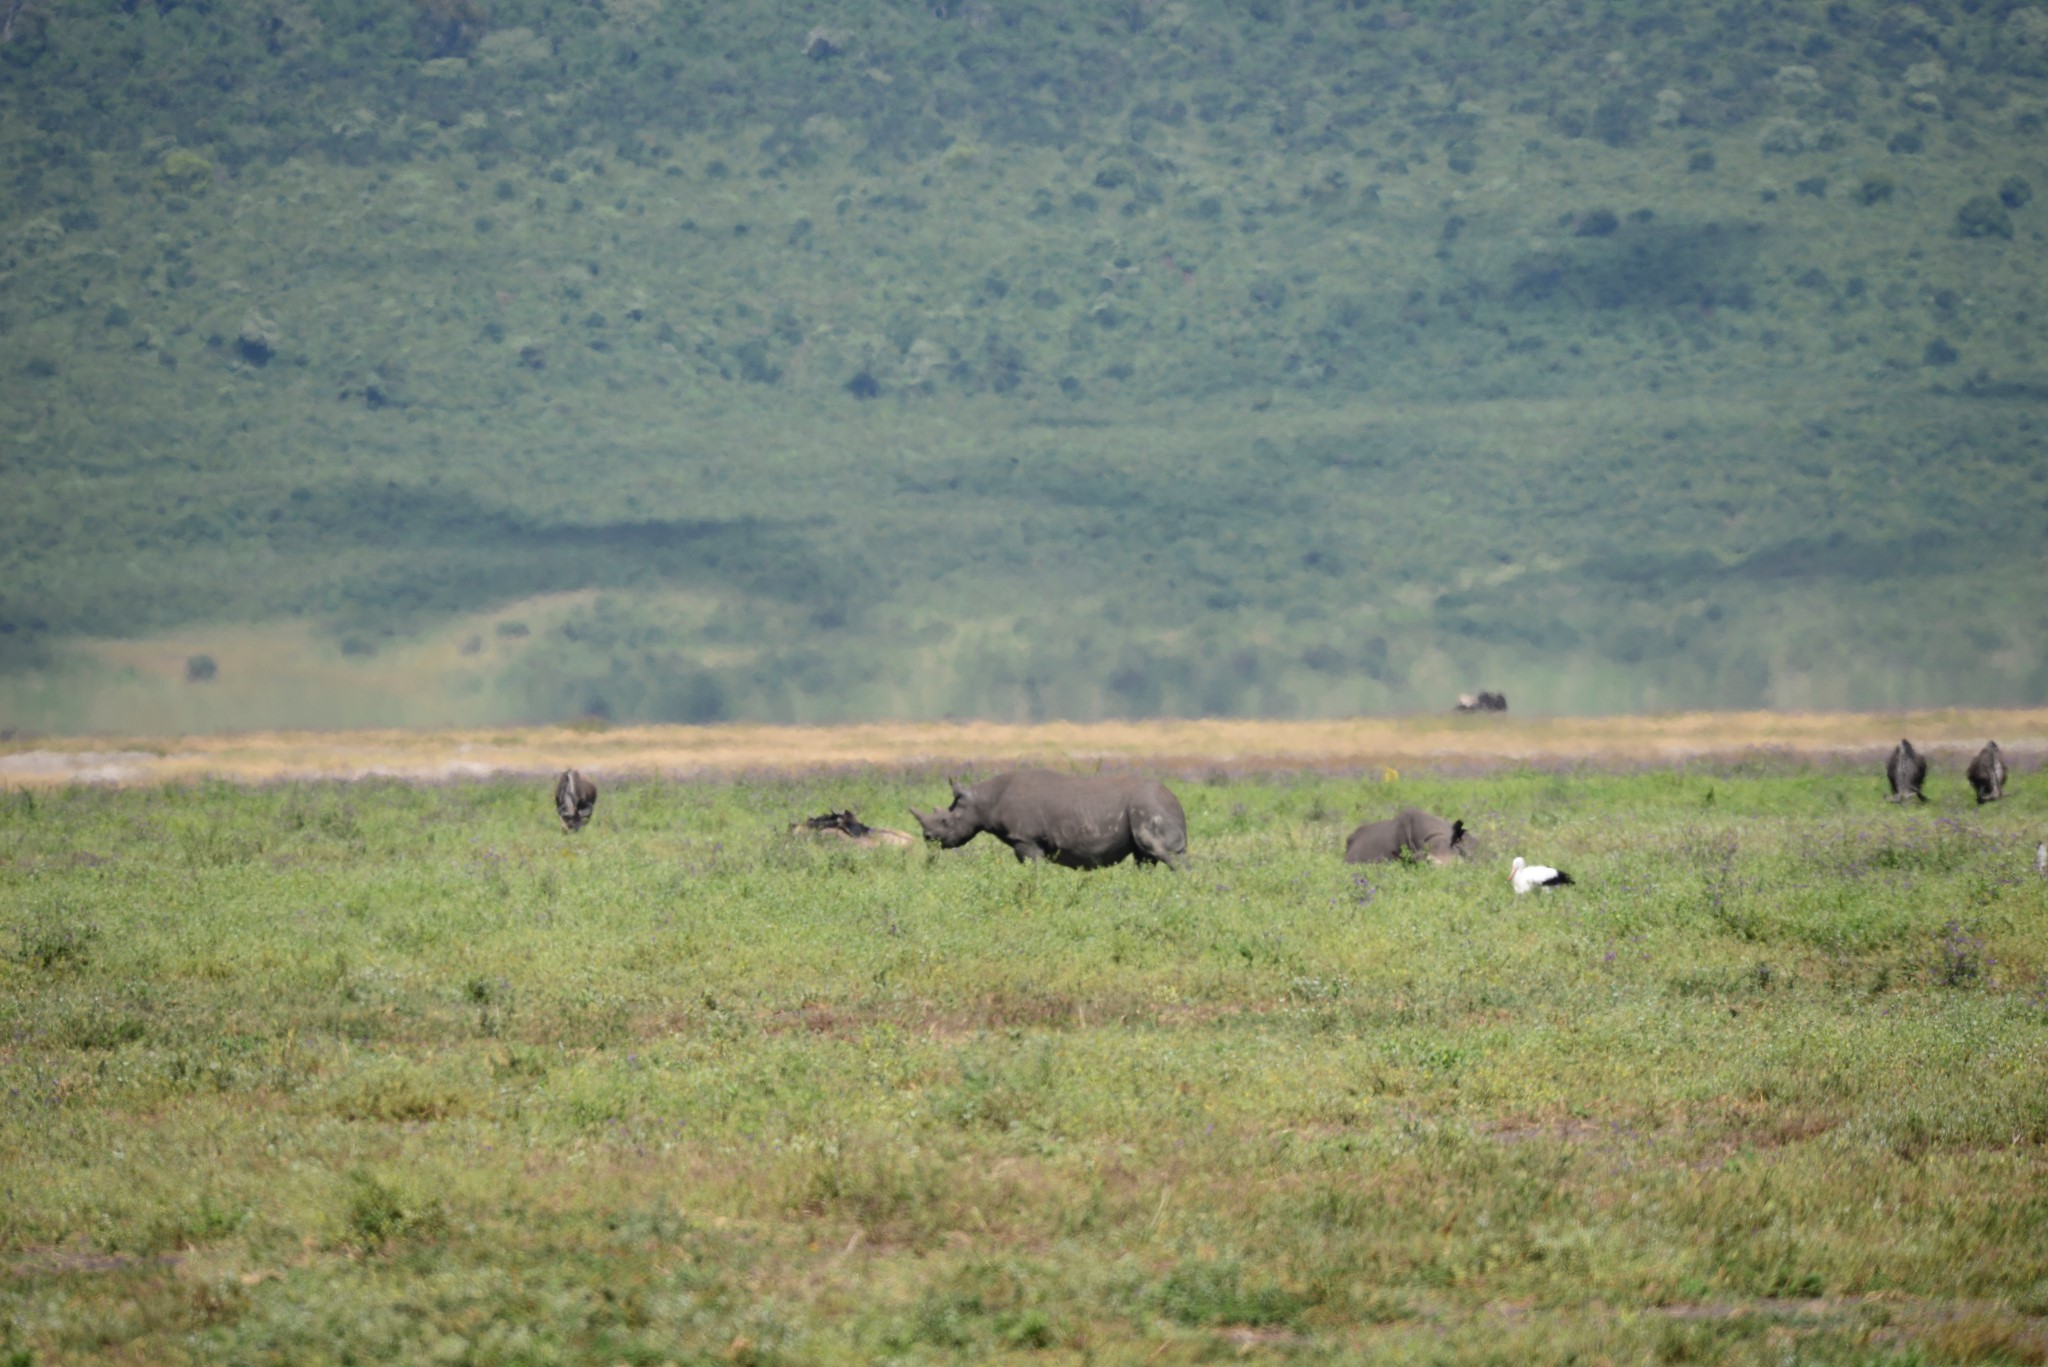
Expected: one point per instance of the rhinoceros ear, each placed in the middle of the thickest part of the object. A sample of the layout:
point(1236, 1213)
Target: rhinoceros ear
point(958, 791)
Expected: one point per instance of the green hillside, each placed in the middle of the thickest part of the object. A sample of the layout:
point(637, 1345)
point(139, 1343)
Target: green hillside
point(502, 358)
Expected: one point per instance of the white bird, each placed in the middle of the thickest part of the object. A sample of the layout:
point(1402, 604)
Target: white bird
point(1529, 876)
point(2041, 859)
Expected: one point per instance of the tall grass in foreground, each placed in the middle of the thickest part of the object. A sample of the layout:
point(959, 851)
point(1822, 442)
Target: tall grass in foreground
point(378, 1072)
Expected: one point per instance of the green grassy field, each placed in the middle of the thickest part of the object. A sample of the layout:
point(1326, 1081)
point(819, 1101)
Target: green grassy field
point(381, 1073)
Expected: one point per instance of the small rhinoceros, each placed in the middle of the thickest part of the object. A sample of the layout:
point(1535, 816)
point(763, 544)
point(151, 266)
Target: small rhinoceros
point(1081, 821)
point(575, 799)
point(1412, 834)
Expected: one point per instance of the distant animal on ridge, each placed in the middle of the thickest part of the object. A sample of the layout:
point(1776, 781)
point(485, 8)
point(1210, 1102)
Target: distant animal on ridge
point(1527, 877)
point(850, 828)
point(1987, 773)
point(1907, 771)
point(1482, 701)
point(1410, 834)
point(575, 800)
point(1079, 821)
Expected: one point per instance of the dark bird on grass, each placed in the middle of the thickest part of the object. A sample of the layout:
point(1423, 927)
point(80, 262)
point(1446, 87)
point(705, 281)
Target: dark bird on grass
point(1530, 876)
point(575, 799)
point(850, 828)
point(1907, 770)
point(1987, 773)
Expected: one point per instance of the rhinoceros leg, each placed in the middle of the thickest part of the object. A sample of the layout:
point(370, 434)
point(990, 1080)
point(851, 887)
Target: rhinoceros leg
point(1027, 850)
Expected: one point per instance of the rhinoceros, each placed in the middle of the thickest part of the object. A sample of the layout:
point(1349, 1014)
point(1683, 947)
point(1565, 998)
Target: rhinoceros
point(1987, 773)
point(575, 799)
point(1081, 821)
point(1907, 771)
point(850, 828)
point(1411, 834)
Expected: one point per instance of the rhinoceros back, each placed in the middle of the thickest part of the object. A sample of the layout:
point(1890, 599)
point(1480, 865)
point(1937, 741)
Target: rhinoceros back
point(1374, 842)
point(1412, 832)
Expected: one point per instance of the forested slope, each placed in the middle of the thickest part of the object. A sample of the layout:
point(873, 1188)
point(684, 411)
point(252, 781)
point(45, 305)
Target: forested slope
point(689, 361)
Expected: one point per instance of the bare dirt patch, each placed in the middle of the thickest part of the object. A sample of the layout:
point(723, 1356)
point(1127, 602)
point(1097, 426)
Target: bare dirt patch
point(1379, 745)
point(26, 767)
point(1767, 1307)
point(60, 1260)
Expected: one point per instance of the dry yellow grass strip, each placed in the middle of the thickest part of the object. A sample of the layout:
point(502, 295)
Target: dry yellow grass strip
point(682, 751)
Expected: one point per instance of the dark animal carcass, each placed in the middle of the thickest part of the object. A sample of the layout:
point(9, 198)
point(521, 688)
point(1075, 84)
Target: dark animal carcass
point(1482, 701)
point(1907, 771)
point(575, 799)
point(850, 828)
point(1411, 834)
point(1987, 773)
point(1081, 821)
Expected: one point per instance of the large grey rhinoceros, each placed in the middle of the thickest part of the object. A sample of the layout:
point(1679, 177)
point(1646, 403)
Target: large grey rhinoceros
point(1414, 834)
point(1081, 821)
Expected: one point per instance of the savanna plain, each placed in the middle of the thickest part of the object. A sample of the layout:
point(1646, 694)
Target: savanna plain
point(320, 1071)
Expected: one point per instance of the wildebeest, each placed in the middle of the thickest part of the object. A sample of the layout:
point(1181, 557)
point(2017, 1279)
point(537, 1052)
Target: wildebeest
point(575, 799)
point(1482, 701)
point(850, 828)
point(1411, 834)
point(1080, 821)
point(1907, 770)
point(1987, 773)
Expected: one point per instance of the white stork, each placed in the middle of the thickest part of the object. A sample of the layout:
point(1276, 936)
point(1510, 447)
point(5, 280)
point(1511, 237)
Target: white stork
point(1527, 876)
